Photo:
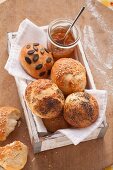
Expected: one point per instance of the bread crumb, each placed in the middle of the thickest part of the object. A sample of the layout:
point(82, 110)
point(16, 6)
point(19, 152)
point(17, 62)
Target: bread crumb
point(33, 159)
point(19, 123)
point(50, 166)
point(45, 156)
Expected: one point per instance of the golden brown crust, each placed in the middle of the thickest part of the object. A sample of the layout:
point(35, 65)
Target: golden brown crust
point(69, 75)
point(55, 124)
point(13, 156)
point(7, 114)
point(81, 109)
point(36, 60)
point(44, 98)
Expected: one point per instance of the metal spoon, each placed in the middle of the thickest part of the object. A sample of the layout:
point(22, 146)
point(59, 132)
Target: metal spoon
point(69, 29)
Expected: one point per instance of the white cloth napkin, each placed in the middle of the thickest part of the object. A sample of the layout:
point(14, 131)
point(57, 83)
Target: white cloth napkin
point(29, 32)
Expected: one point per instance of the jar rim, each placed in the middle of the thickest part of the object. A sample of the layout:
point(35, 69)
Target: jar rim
point(61, 45)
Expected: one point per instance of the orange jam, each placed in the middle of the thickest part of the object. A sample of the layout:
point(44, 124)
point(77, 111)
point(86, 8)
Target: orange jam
point(58, 35)
point(59, 47)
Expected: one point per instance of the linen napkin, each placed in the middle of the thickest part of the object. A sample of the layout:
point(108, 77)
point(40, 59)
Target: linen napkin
point(27, 32)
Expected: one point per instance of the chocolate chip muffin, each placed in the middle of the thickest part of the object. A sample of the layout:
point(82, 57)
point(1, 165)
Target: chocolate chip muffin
point(81, 109)
point(36, 60)
point(44, 98)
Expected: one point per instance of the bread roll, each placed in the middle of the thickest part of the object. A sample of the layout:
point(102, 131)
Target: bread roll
point(36, 60)
point(54, 124)
point(8, 121)
point(44, 98)
point(69, 75)
point(81, 109)
point(13, 156)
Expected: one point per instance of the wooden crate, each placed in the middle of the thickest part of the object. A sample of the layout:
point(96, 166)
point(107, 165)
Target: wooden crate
point(42, 141)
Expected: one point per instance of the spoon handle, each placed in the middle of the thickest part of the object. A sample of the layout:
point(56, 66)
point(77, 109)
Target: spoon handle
point(82, 9)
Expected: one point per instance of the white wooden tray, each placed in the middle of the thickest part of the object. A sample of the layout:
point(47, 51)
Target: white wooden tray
point(42, 141)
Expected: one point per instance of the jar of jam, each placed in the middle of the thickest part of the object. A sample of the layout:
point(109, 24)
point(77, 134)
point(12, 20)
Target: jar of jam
point(56, 32)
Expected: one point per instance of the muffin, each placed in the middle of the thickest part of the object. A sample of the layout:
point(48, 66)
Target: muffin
point(44, 98)
point(36, 60)
point(69, 75)
point(81, 109)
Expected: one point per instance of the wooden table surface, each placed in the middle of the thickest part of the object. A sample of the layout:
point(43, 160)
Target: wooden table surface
point(96, 27)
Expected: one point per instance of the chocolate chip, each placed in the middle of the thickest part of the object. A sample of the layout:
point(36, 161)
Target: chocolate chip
point(48, 60)
point(30, 52)
point(39, 66)
point(42, 51)
point(46, 50)
point(28, 60)
point(35, 48)
point(28, 46)
point(35, 57)
point(42, 73)
point(35, 44)
point(48, 72)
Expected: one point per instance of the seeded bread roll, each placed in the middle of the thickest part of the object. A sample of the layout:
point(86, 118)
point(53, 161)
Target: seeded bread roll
point(54, 124)
point(13, 156)
point(8, 121)
point(81, 109)
point(36, 60)
point(69, 75)
point(44, 98)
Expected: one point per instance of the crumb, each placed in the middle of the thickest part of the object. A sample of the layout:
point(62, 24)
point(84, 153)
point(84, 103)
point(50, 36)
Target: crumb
point(33, 159)
point(27, 139)
point(50, 166)
point(30, 166)
point(19, 122)
point(45, 156)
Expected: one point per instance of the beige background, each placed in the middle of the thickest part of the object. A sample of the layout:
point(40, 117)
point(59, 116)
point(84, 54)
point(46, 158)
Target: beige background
point(92, 155)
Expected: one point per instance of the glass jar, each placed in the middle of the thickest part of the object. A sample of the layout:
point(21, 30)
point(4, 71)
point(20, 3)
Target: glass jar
point(62, 48)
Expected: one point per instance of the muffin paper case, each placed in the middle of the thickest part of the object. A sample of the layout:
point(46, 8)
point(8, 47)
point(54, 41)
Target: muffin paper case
point(29, 32)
